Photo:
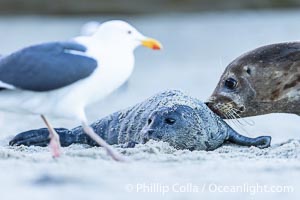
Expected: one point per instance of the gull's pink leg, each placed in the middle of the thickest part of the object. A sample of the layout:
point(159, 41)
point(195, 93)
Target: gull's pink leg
point(110, 151)
point(54, 139)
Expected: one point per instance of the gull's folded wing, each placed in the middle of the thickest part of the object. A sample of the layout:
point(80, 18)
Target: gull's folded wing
point(45, 67)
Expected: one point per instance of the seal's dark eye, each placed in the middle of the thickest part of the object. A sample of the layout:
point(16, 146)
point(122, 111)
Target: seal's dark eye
point(149, 121)
point(248, 71)
point(170, 121)
point(129, 32)
point(230, 83)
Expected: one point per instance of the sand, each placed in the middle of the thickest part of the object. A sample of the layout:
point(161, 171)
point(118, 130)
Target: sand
point(152, 170)
point(197, 49)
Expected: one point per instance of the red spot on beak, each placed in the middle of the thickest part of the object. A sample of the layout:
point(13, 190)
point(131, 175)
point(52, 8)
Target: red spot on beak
point(156, 47)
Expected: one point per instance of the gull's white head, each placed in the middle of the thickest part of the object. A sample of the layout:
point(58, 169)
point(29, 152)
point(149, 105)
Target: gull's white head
point(123, 35)
point(89, 28)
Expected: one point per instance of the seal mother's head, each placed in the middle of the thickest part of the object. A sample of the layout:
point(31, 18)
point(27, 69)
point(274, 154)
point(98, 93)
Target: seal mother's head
point(264, 80)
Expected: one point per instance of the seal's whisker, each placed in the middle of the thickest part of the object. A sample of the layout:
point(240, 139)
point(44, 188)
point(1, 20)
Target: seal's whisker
point(224, 108)
point(248, 121)
point(239, 124)
point(232, 119)
point(227, 116)
point(237, 117)
point(230, 113)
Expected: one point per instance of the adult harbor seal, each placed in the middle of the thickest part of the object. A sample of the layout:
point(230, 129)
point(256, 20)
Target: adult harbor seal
point(171, 116)
point(264, 80)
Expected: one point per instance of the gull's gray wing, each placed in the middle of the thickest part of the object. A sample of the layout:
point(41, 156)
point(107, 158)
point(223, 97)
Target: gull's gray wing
point(45, 67)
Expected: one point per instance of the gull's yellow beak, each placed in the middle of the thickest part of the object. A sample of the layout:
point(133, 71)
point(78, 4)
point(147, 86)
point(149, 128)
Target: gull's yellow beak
point(152, 44)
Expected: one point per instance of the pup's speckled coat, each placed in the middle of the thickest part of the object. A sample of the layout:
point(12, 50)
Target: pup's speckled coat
point(171, 116)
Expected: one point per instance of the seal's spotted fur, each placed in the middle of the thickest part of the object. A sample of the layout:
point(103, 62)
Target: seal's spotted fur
point(198, 128)
point(264, 80)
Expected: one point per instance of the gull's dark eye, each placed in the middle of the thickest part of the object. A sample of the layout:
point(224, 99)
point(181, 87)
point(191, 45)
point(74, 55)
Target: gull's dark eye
point(129, 32)
point(170, 121)
point(230, 83)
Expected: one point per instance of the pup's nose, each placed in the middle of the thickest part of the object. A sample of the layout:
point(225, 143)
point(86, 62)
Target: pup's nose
point(147, 135)
point(150, 133)
point(153, 135)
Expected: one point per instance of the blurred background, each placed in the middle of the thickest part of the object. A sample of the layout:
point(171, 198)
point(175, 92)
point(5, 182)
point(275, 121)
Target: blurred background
point(75, 7)
point(200, 38)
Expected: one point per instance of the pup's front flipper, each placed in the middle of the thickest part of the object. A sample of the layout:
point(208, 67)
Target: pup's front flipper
point(40, 137)
point(130, 144)
point(260, 142)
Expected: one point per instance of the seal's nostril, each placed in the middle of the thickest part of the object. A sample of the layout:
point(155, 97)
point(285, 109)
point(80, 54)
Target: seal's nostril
point(150, 132)
point(242, 108)
point(192, 148)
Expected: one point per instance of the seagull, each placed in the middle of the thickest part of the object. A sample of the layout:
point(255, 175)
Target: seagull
point(89, 28)
point(60, 79)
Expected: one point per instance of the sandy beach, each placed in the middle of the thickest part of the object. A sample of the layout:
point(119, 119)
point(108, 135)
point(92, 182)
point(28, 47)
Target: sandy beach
point(197, 49)
point(154, 170)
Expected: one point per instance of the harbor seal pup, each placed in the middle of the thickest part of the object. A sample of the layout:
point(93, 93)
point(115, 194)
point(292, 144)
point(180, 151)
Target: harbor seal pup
point(264, 80)
point(171, 116)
